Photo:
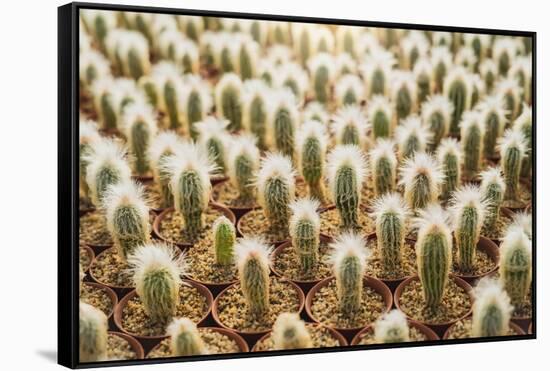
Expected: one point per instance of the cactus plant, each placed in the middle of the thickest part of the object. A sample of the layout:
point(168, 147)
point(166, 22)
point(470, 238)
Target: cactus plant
point(346, 65)
point(92, 334)
point(433, 253)
point(304, 228)
point(140, 127)
point(176, 48)
point(243, 163)
point(478, 89)
point(141, 22)
point(315, 111)
point(472, 133)
point(441, 60)
point(129, 52)
point(380, 116)
point(224, 236)
point(324, 40)
point(458, 89)
point(303, 41)
point(312, 146)
point(494, 116)
point(509, 91)
point(524, 220)
point(246, 56)
point(436, 115)
point(515, 267)
point(392, 328)
point(412, 137)
point(449, 156)
point(92, 66)
point(521, 70)
point(253, 258)
point(196, 103)
point(479, 44)
point(504, 52)
point(465, 57)
point(88, 135)
point(213, 138)
point(492, 187)
point(170, 87)
point(376, 70)
point(350, 126)
point(491, 310)
point(413, 47)
point(290, 332)
point(322, 71)
point(512, 151)
point(99, 23)
point(383, 163)
point(156, 273)
point(346, 172)
point(423, 76)
point(421, 177)
point(185, 339)
point(404, 93)
point(164, 145)
point(524, 123)
point(224, 53)
point(346, 40)
point(255, 103)
point(349, 90)
point(229, 100)
point(105, 103)
point(283, 119)
point(488, 71)
point(293, 76)
point(191, 26)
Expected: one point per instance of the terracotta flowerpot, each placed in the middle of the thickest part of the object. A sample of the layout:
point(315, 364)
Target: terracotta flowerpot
point(515, 327)
point(438, 328)
point(335, 334)
point(425, 330)
point(239, 230)
point(491, 249)
point(90, 253)
point(371, 282)
point(121, 291)
point(111, 294)
point(522, 322)
point(238, 211)
point(149, 341)
point(96, 247)
point(156, 224)
point(136, 346)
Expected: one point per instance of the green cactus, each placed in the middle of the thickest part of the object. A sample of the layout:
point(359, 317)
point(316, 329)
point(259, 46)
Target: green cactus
point(380, 116)
point(491, 310)
point(472, 137)
point(512, 151)
point(290, 332)
point(492, 187)
point(436, 113)
point(92, 334)
point(140, 126)
point(524, 124)
point(224, 241)
point(243, 164)
point(404, 95)
point(392, 328)
point(421, 177)
point(170, 95)
point(321, 69)
point(185, 339)
point(164, 146)
point(383, 167)
point(255, 110)
point(516, 265)
point(450, 159)
point(311, 151)
point(304, 230)
point(412, 137)
point(253, 265)
point(350, 125)
point(284, 130)
point(458, 91)
point(494, 118)
point(213, 137)
point(88, 135)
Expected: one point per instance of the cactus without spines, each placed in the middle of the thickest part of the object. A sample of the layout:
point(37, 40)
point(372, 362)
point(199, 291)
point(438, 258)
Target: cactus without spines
point(350, 126)
point(156, 274)
point(413, 47)
point(283, 117)
point(276, 187)
point(242, 165)
point(312, 147)
point(322, 71)
point(229, 104)
point(349, 258)
point(449, 157)
point(404, 93)
point(492, 188)
point(106, 166)
point(390, 213)
point(515, 266)
point(392, 328)
point(512, 148)
point(524, 220)
point(196, 102)
point(88, 135)
point(346, 172)
point(383, 164)
point(290, 332)
point(255, 103)
point(92, 66)
point(253, 259)
point(304, 228)
point(423, 76)
point(433, 253)
point(422, 177)
point(377, 70)
point(315, 111)
point(185, 339)
point(246, 56)
point(468, 208)
point(458, 89)
point(504, 52)
point(349, 89)
point(224, 241)
point(412, 137)
point(509, 91)
point(472, 136)
point(488, 71)
point(524, 123)
point(494, 116)
point(189, 170)
point(441, 59)
point(491, 310)
point(140, 126)
point(127, 217)
point(164, 145)
point(92, 334)
point(436, 116)
point(380, 116)
point(213, 138)
point(292, 76)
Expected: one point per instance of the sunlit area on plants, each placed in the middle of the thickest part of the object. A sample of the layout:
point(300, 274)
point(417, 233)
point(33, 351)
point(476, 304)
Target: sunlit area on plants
point(252, 186)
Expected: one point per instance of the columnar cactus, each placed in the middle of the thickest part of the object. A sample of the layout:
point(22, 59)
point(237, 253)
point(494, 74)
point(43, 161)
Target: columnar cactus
point(170, 90)
point(515, 267)
point(246, 56)
point(512, 151)
point(433, 253)
point(191, 26)
point(436, 114)
point(129, 52)
point(315, 111)
point(349, 259)
point(346, 40)
point(303, 35)
point(392, 328)
point(380, 116)
point(524, 220)
point(312, 146)
point(224, 241)
point(441, 59)
point(524, 124)
point(509, 91)
point(138, 21)
point(494, 118)
point(140, 127)
point(88, 135)
point(324, 40)
point(465, 57)
point(156, 274)
point(412, 137)
point(449, 156)
point(224, 53)
point(164, 145)
point(478, 89)
point(413, 47)
point(322, 72)
point(304, 228)
point(390, 213)
point(92, 334)
point(105, 102)
point(183, 52)
point(290, 332)
point(468, 208)
point(253, 258)
point(276, 187)
point(458, 89)
point(350, 125)
point(488, 71)
point(213, 138)
point(404, 93)
point(472, 133)
point(349, 90)
point(504, 52)
point(283, 117)
point(422, 177)
point(229, 103)
point(255, 103)
point(346, 173)
point(99, 23)
point(185, 339)
point(521, 70)
point(92, 66)
point(294, 77)
point(347, 65)
point(491, 310)
point(423, 76)
point(383, 164)
point(376, 70)
point(196, 103)
point(492, 188)
point(243, 163)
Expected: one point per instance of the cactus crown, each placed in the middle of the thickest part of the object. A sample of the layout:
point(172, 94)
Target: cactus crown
point(87, 132)
point(346, 65)
point(92, 334)
point(165, 144)
point(213, 138)
point(413, 47)
point(350, 125)
point(246, 56)
point(525, 120)
point(376, 69)
point(412, 137)
point(185, 339)
point(346, 39)
point(441, 59)
point(283, 121)
point(422, 177)
point(292, 76)
point(323, 71)
point(224, 240)
point(491, 310)
point(512, 139)
point(304, 227)
point(346, 156)
point(493, 115)
point(391, 203)
point(524, 220)
point(515, 264)
point(129, 51)
point(380, 115)
point(392, 328)
point(436, 114)
point(243, 164)
point(512, 148)
point(465, 56)
point(228, 93)
point(509, 90)
point(315, 111)
point(290, 332)
point(383, 164)
point(349, 90)
point(196, 101)
point(504, 51)
point(255, 104)
point(404, 93)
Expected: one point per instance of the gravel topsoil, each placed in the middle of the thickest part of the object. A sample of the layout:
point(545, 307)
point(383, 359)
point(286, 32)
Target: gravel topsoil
point(375, 268)
point(367, 337)
point(254, 223)
point(287, 263)
point(109, 269)
point(84, 258)
point(463, 330)
point(302, 191)
point(171, 226)
point(224, 193)
point(202, 264)
point(482, 264)
point(93, 229)
point(118, 348)
point(320, 337)
point(524, 197)
point(97, 297)
point(330, 222)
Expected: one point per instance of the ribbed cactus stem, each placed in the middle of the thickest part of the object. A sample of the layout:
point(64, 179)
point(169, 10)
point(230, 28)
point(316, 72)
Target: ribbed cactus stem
point(492, 187)
point(472, 138)
point(512, 151)
point(224, 241)
point(516, 265)
point(255, 113)
point(140, 127)
point(167, 199)
point(380, 117)
point(170, 95)
point(524, 124)
point(216, 150)
point(290, 332)
point(350, 125)
point(190, 202)
point(185, 339)
point(312, 145)
point(392, 328)
point(458, 91)
point(253, 266)
point(450, 159)
point(92, 334)
point(492, 309)
point(304, 231)
point(229, 100)
point(284, 132)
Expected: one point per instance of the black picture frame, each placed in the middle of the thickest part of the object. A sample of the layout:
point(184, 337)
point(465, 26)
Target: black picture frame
point(68, 213)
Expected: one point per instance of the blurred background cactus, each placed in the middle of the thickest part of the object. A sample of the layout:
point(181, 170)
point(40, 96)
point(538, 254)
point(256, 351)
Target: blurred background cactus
point(311, 150)
point(304, 229)
point(492, 189)
point(140, 126)
point(163, 146)
point(524, 124)
point(224, 241)
point(421, 177)
point(242, 164)
point(255, 103)
point(494, 119)
point(383, 164)
point(92, 334)
point(492, 309)
point(290, 332)
point(412, 137)
point(229, 100)
point(512, 152)
point(283, 122)
point(515, 267)
point(213, 138)
point(449, 155)
point(392, 328)
point(436, 115)
point(185, 339)
point(380, 116)
point(458, 89)
point(349, 126)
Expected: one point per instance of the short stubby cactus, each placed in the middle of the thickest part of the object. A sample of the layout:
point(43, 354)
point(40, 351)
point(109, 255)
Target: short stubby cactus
point(492, 188)
point(127, 217)
point(458, 89)
point(349, 259)
point(449, 157)
point(92, 334)
point(213, 138)
point(422, 177)
point(504, 52)
point(106, 166)
point(105, 102)
point(99, 23)
point(224, 52)
point(436, 115)
point(524, 123)
point(515, 267)
point(512, 151)
point(494, 118)
point(164, 145)
point(128, 52)
point(383, 165)
point(413, 47)
point(303, 41)
point(468, 207)
point(185, 339)
point(312, 146)
point(349, 90)
point(304, 228)
point(156, 273)
point(441, 59)
point(350, 125)
point(229, 100)
point(283, 117)
point(322, 71)
point(392, 328)
point(433, 253)
point(189, 170)
point(390, 213)
point(412, 137)
point(404, 94)
point(376, 69)
point(255, 103)
point(346, 172)
point(242, 164)
point(423, 76)
point(346, 40)
point(196, 104)
point(492, 309)
point(88, 135)
point(140, 126)
point(253, 258)
point(472, 134)
point(380, 116)
point(290, 332)
point(224, 241)
point(276, 187)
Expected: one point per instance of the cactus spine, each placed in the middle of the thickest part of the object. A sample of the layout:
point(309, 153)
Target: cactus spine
point(436, 114)
point(246, 56)
point(412, 137)
point(491, 310)
point(243, 163)
point(292, 76)
point(458, 89)
point(512, 151)
point(92, 335)
point(213, 138)
point(170, 90)
point(290, 332)
point(472, 139)
point(255, 102)
point(140, 127)
point(185, 339)
point(321, 67)
point(392, 328)
point(449, 156)
point(404, 94)
point(312, 146)
point(350, 125)
point(422, 177)
point(224, 241)
point(229, 100)
point(515, 265)
point(492, 187)
point(304, 228)
point(510, 92)
point(283, 121)
point(380, 116)
point(493, 115)
point(383, 167)
point(524, 123)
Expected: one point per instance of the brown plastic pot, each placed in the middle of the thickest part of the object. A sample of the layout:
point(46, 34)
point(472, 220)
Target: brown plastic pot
point(238, 211)
point(522, 322)
point(491, 249)
point(516, 328)
point(430, 335)
point(438, 328)
point(136, 346)
point(121, 291)
point(239, 229)
point(342, 342)
point(371, 282)
point(149, 341)
point(90, 254)
point(156, 224)
point(252, 337)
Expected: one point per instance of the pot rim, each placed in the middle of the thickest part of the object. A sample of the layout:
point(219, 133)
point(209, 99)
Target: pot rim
point(513, 325)
point(90, 272)
point(491, 249)
point(136, 346)
point(428, 332)
point(110, 292)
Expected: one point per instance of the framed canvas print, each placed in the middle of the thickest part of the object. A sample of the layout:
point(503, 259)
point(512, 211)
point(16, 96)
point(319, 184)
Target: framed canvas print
point(238, 185)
